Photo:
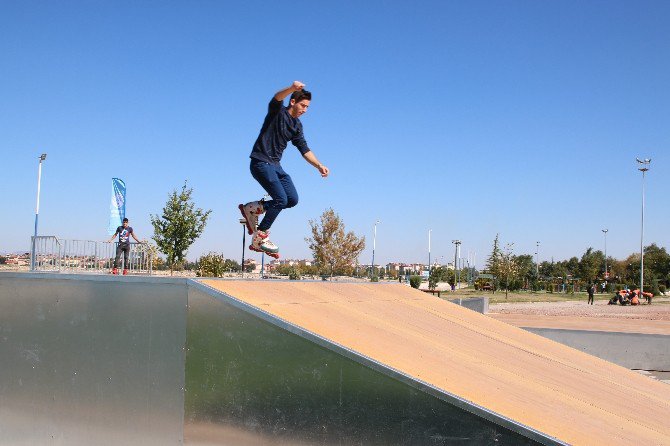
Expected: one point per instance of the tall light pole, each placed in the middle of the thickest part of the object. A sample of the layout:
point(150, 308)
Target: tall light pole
point(374, 244)
point(537, 259)
point(42, 157)
point(643, 167)
point(429, 231)
point(605, 232)
point(457, 253)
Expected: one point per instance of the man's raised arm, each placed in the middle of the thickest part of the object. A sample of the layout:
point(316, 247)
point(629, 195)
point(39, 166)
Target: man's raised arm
point(282, 94)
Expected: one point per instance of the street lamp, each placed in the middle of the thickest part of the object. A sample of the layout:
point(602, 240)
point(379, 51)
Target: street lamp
point(643, 167)
point(374, 245)
point(605, 232)
point(537, 259)
point(243, 221)
point(42, 157)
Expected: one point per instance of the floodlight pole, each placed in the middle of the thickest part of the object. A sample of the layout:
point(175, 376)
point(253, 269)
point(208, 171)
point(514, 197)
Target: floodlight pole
point(42, 157)
point(457, 253)
point(429, 231)
point(643, 168)
point(374, 245)
point(605, 232)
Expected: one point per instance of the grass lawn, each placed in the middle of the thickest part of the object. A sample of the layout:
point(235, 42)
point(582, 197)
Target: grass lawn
point(524, 296)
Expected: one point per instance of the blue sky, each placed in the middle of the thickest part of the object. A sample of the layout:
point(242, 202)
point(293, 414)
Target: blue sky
point(522, 118)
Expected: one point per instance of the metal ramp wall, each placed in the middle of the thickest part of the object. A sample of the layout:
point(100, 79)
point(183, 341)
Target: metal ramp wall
point(135, 360)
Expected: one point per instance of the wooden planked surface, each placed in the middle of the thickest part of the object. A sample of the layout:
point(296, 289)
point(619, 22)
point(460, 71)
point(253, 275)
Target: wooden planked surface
point(552, 388)
point(620, 325)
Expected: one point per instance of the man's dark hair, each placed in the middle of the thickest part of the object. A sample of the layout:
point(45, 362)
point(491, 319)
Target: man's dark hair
point(300, 95)
point(125, 220)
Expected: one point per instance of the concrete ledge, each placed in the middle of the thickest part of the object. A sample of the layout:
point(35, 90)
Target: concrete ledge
point(478, 304)
point(630, 350)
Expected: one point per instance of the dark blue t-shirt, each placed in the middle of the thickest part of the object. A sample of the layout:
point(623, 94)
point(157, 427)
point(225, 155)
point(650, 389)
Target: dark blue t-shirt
point(278, 129)
point(124, 234)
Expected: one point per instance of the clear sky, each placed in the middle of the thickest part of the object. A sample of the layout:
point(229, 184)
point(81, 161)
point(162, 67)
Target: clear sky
point(469, 118)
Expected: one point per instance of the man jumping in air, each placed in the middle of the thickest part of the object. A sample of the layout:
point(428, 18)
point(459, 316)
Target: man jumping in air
point(281, 125)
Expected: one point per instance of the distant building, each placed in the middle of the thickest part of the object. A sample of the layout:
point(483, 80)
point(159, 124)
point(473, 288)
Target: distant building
point(292, 262)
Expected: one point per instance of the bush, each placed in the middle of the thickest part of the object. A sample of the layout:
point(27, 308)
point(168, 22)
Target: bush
point(662, 288)
point(415, 281)
point(374, 279)
point(294, 273)
point(211, 265)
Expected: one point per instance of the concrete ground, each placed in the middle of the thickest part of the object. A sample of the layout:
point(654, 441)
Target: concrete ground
point(577, 315)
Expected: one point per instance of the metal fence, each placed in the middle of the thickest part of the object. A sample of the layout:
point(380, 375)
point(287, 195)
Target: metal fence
point(53, 254)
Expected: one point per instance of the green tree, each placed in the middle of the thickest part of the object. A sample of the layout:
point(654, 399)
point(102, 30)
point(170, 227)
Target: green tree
point(590, 265)
point(231, 266)
point(334, 250)
point(507, 267)
point(571, 266)
point(525, 271)
point(294, 273)
point(440, 274)
point(436, 275)
point(493, 262)
point(211, 265)
point(547, 269)
point(656, 264)
point(179, 226)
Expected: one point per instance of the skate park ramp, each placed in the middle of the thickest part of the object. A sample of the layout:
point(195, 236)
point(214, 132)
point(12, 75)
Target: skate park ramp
point(108, 360)
point(546, 391)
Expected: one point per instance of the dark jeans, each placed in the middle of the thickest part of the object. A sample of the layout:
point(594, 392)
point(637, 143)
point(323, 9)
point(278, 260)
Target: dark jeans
point(125, 249)
point(279, 185)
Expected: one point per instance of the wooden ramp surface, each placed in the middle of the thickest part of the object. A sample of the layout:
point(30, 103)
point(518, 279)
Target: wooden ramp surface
point(559, 391)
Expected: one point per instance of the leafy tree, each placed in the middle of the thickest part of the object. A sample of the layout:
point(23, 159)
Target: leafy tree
point(656, 263)
point(525, 271)
point(294, 273)
point(590, 265)
point(493, 262)
point(179, 226)
point(436, 275)
point(211, 265)
point(159, 264)
point(547, 269)
point(571, 266)
point(507, 267)
point(231, 266)
point(440, 274)
point(334, 250)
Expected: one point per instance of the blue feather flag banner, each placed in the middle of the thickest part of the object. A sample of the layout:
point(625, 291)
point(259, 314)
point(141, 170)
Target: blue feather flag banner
point(117, 208)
